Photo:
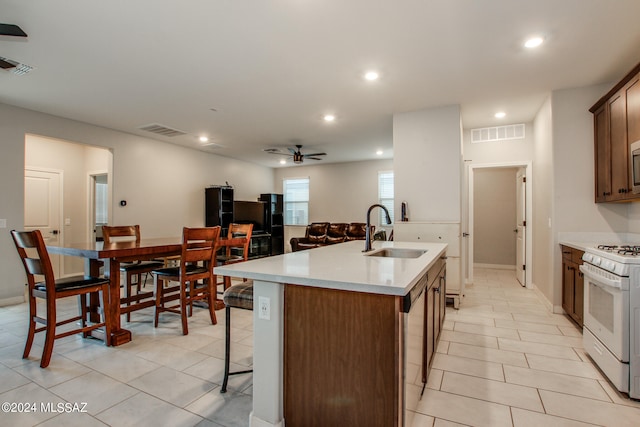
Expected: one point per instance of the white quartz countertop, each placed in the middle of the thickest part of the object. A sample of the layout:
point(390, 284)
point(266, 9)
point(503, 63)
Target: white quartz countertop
point(342, 266)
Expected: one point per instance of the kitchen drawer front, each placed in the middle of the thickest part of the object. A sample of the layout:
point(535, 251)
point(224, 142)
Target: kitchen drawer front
point(576, 255)
point(571, 254)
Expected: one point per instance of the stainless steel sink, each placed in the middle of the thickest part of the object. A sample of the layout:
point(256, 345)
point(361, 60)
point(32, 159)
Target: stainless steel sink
point(397, 253)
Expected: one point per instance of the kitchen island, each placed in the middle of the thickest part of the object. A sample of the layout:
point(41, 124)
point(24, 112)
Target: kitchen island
point(342, 337)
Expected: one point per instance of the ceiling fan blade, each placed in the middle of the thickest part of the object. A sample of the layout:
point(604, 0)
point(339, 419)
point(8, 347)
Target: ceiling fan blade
point(5, 65)
point(313, 158)
point(314, 154)
point(11, 30)
point(292, 150)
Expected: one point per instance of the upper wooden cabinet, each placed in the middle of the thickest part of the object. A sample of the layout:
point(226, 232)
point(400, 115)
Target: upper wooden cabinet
point(616, 125)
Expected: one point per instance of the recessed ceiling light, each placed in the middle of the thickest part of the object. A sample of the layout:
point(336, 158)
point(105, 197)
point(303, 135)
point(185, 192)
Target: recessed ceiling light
point(371, 75)
point(283, 162)
point(204, 139)
point(500, 115)
point(379, 152)
point(533, 42)
point(329, 118)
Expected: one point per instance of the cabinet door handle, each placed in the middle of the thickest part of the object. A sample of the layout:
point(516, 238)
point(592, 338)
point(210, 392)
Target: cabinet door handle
point(437, 289)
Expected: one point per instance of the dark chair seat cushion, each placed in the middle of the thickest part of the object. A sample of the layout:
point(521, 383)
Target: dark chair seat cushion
point(231, 258)
point(175, 271)
point(74, 282)
point(239, 296)
point(144, 265)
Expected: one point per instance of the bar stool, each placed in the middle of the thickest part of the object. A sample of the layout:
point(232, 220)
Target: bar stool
point(237, 296)
point(234, 254)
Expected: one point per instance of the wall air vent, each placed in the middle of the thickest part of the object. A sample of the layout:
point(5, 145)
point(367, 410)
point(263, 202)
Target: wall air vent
point(159, 129)
point(498, 133)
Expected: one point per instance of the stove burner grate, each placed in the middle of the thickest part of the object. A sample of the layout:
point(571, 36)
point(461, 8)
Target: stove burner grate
point(629, 250)
point(608, 247)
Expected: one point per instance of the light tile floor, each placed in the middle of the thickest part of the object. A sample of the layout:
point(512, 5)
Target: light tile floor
point(503, 359)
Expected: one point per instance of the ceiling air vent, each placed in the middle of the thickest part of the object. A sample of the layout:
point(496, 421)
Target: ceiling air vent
point(15, 67)
point(498, 133)
point(159, 129)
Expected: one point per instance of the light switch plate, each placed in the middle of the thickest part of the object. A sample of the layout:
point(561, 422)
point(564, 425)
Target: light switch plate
point(3, 223)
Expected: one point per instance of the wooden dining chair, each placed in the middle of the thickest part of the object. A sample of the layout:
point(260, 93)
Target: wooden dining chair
point(131, 269)
point(42, 284)
point(238, 253)
point(197, 259)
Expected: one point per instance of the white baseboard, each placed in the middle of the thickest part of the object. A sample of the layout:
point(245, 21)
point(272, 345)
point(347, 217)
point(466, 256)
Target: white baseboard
point(494, 266)
point(11, 301)
point(543, 298)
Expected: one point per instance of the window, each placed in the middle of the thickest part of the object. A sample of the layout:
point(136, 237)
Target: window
point(102, 203)
point(385, 195)
point(296, 201)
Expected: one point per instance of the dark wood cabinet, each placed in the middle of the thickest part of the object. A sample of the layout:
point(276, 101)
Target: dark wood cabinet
point(274, 223)
point(434, 311)
point(219, 207)
point(602, 154)
point(616, 126)
point(572, 284)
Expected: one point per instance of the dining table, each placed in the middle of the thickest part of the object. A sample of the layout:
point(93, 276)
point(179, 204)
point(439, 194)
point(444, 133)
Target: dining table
point(111, 256)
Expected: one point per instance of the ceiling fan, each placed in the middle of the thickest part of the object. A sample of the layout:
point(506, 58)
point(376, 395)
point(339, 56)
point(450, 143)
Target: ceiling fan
point(298, 156)
point(12, 30)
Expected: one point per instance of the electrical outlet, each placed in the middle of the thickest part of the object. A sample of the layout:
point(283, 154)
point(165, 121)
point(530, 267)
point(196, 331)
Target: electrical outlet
point(264, 308)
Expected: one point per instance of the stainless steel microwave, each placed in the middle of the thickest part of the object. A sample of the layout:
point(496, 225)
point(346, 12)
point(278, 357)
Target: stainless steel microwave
point(634, 160)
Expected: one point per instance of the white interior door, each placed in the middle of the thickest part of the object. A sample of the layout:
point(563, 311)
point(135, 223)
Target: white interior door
point(521, 222)
point(42, 206)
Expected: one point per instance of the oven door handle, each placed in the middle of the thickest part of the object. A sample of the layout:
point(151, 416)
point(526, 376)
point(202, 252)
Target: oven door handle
point(604, 281)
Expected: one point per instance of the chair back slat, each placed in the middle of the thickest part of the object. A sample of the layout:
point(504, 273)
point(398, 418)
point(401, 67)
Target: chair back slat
point(199, 244)
point(34, 265)
point(240, 230)
point(131, 231)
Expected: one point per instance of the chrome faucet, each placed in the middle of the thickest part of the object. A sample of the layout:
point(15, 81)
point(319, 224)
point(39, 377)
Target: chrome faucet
point(367, 243)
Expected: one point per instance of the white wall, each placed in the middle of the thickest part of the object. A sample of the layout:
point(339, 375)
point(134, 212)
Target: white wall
point(543, 179)
point(494, 215)
point(162, 183)
point(427, 148)
point(507, 151)
point(339, 192)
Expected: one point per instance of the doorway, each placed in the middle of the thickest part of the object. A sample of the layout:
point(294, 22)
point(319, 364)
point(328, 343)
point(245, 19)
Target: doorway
point(98, 203)
point(74, 162)
point(503, 240)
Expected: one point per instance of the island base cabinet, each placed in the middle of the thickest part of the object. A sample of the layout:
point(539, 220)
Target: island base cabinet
point(342, 358)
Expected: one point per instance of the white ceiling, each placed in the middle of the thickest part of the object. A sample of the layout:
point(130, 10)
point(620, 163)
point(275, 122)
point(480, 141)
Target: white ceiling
point(272, 68)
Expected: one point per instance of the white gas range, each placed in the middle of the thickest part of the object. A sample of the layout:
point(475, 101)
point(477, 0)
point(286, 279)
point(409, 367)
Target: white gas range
point(611, 334)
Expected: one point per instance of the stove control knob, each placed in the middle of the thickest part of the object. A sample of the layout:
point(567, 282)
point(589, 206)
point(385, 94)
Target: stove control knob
point(587, 257)
point(597, 260)
point(608, 265)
